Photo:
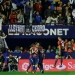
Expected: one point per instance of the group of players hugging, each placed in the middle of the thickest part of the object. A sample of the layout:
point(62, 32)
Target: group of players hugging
point(37, 54)
point(36, 58)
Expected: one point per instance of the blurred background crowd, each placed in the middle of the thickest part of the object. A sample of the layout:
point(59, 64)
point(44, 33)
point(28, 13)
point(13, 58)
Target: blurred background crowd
point(36, 12)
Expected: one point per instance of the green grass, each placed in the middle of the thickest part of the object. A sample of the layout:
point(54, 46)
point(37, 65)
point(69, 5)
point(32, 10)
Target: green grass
point(46, 73)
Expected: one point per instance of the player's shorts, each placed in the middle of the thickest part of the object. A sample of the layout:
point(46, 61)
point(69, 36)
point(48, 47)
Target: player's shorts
point(31, 60)
point(35, 60)
point(62, 53)
point(41, 60)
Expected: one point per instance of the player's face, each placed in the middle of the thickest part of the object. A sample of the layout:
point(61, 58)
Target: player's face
point(10, 55)
point(66, 40)
point(72, 40)
point(69, 42)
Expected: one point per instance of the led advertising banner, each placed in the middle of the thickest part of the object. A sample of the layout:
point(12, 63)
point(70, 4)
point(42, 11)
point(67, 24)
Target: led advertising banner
point(68, 65)
point(39, 31)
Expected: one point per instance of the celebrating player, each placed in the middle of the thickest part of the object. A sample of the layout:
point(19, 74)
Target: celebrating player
point(35, 58)
point(30, 58)
point(41, 55)
point(60, 52)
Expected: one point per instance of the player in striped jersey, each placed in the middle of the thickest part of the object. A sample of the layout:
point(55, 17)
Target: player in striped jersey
point(30, 58)
point(41, 55)
point(35, 59)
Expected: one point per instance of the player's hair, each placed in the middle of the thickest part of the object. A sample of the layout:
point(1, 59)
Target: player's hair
point(37, 42)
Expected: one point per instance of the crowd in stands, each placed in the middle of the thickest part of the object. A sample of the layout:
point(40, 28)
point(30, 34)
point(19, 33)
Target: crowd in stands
point(36, 12)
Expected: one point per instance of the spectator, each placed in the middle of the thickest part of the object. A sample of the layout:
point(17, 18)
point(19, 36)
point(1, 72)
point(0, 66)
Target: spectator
point(66, 44)
point(34, 15)
point(69, 6)
point(70, 47)
point(28, 8)
point(14, 6)
point(73, 17)
point(17, 50)
point(1, 7)
point(52, 6)
point(25, 50)
point(49, 49)
point(12, 63)
point(74, 46)
point(20, 17)
point(53, 49)
point(3, 36)
point(69, 19)
point(66, 11)
point(63, 8)
point(48, 20)
point(55, 12)
point(9, 51)
point(1, 21)
point(72, 41)
point(37, 19)
point(1, 1)
point(48, 12)
point(5, 13)
point(45, 4)
point(66, 40)
point(57, 50)
point(1, 45)
point(9, 7)
point(38, 7)
point(59, 8)
point(13, 17)
point(21, 49)
point(60, 19)
point(54, 20)
point(2, 66)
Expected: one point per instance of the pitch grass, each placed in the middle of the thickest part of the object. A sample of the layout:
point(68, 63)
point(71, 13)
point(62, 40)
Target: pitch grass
point(46, 73)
